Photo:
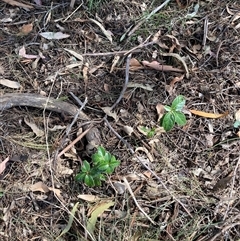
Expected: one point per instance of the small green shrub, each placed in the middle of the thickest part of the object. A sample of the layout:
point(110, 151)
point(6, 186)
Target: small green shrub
point(102, 163)
point(174, 114)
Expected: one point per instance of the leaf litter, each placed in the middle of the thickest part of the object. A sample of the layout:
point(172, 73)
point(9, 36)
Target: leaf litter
point(86, 57)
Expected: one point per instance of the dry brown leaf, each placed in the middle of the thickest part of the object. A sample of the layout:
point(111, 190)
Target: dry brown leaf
point(147, 174)
point(26, 29)
point(71, 66)
point(22, 53)
point(179, 3)
point(95, 68)
point(89, 198)
point(170, 87)
point(160, 111)
point(222, 183)
point(149, 155)
point(120, 187)
point(237, 115)
point(181, 59)
point(114, 62)
point(208, 115)
point(156, 36)
point(108, 111)
point(3, 165)
point(174, 41)
point(128, 129)
point(136, 85)
point(107, 33)
point(135, 65)
point(54, 35)
point(39, 187)
point(63, 170)
point(135, 177)
point(10, 83)
point(157, 66)
point(85, 74)
point(75, 54)
point(34, 128)
point(18, 4)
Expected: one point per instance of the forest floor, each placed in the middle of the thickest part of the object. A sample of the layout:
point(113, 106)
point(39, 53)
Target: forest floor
point(126, 61)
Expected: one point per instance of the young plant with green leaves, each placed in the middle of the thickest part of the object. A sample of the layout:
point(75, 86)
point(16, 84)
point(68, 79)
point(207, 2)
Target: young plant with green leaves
point(103, 163)
point(174, 114)
point(149, 132)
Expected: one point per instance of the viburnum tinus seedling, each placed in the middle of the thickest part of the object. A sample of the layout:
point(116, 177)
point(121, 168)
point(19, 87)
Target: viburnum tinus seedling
point(174, 114)
point(103, 163)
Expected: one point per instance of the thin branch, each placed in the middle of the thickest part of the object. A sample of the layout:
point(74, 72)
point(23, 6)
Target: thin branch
point(135, 200)
point(74, 142)
point(148, 168)
point(76, 116)
point(126, 82)
point(123, 52)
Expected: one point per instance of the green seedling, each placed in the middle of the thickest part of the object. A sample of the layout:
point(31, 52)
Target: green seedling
point(174, 114)
point(149, 132)
point(103, 163)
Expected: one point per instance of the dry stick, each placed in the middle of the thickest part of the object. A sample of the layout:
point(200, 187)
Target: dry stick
point(135, 200)
point(76, 116)
point(149, 169)
point(125, 83)
point(71, 6)
point(205, 31)
point(57, 155)
point(123, 52)
point(74, 142)
point(217, 53)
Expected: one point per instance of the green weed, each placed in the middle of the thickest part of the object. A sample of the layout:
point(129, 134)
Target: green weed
point(102, 163)
point(174, 114)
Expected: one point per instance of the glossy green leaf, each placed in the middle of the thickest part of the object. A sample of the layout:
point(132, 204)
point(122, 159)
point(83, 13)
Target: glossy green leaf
point(178, 103)
point(88, 180)
point(107, 157)
point(180, 118)
point(168, 121)
point(103, 163)
point(103, 166)
point(86, 166)
point(80, 177)
point(167, 108)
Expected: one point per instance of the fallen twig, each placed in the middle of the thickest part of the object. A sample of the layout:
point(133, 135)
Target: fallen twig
point(148, 168)
point(135, 200)
point(73, 142)
point(125, 83)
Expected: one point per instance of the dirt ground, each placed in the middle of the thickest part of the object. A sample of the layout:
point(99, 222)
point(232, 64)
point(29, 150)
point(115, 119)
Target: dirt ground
point(177, 185)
